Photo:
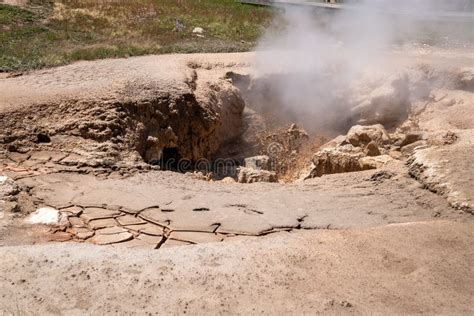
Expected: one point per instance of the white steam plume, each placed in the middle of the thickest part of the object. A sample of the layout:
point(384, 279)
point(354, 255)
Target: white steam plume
point(319, 56)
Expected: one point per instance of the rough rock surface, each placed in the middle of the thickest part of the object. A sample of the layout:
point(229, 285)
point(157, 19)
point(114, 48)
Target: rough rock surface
point(336, 160)
point(257, 162)
point(448, 170)
point(441, 160)
point(356, 151)
point(372, 149)
point(251, 175)
point(360, 135)
point(8, 187)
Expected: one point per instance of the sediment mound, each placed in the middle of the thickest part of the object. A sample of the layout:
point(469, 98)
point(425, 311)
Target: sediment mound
point(137, 122)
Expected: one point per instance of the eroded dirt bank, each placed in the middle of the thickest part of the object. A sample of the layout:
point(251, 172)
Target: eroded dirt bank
point(118, 115)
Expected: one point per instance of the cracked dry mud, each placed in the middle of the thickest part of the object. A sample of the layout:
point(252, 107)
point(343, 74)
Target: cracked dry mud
point(155, 204)
point(84, 139)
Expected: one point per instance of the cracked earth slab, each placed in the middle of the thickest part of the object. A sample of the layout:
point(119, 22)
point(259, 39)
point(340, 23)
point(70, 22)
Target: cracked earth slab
point(410, 268)
point(177, 207)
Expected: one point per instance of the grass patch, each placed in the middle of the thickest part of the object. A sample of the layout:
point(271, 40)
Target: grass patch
point(49, 33)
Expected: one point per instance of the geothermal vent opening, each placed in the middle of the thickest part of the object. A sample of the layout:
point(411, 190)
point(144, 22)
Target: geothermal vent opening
point(268, 132)
point(171, 158)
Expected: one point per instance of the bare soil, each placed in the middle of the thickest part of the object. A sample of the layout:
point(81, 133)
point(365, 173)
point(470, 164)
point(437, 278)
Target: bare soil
point(417, 268)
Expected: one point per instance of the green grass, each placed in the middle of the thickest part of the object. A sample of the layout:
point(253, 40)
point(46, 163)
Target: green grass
point(49, 33)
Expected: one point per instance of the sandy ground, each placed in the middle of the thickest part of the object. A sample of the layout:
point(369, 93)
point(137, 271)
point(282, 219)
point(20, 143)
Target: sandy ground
point(106, 78)
point(419, 268)
point(14, 2)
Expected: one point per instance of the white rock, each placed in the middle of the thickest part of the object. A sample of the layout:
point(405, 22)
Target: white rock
point(45, 215)
point(198, 30)
point(7, 187)
point(3, 179)
point(257, 162)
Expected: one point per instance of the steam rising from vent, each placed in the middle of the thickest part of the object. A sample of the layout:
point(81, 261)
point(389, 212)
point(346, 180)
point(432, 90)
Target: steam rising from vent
point(314, 57)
